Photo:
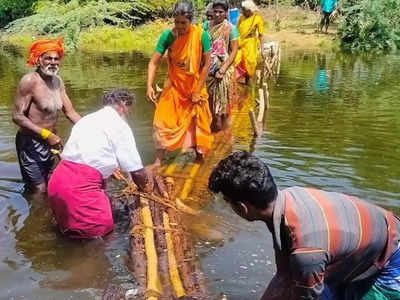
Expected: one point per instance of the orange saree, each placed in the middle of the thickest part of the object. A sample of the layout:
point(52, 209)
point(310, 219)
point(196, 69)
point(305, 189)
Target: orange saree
point(178, 122)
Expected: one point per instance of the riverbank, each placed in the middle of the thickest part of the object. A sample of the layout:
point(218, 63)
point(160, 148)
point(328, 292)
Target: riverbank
point(294, 27)
point(297, 29)
point(105, 38)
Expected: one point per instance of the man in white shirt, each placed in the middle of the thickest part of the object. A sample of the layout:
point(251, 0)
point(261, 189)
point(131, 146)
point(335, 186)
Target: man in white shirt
point(100, 143)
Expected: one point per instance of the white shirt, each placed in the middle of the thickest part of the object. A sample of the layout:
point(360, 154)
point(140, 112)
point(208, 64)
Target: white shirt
point(104, 141)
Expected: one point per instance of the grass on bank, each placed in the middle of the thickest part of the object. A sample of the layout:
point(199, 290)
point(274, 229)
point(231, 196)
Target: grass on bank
point(108, 38)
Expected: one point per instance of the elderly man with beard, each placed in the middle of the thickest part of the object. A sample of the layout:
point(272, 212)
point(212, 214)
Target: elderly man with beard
point(40, 95)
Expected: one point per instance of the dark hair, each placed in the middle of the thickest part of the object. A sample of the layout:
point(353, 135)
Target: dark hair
point(118, 96)
point(184, 8)
point(242, 176)
point(223, 3)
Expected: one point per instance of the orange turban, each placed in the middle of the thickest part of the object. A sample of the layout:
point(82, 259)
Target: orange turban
point(42, 46)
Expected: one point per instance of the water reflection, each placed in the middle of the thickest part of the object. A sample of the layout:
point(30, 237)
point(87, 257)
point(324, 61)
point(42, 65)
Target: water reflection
point(345, 138)
point(322, 76)
point(340, 136)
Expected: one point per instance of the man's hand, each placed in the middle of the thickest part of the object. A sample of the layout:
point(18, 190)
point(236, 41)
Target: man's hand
point(54, 141)
point(147, 178)
point(119, 175)
point(155, 179)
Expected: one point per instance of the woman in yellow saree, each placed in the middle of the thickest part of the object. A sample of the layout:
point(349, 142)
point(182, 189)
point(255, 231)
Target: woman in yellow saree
point(251, 29)
point(182, 118)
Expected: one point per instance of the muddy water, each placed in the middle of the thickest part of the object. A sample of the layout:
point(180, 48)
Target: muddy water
point(334, 123)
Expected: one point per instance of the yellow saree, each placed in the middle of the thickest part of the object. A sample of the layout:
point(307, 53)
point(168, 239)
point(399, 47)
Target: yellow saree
point(250, 29)
point(178, 122)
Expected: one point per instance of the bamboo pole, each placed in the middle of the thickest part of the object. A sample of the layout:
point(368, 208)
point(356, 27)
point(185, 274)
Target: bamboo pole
point(253, 122)
point(261, 106)
point(279, 61)
point(189, 182)
point(173, 267)
point(153, 280)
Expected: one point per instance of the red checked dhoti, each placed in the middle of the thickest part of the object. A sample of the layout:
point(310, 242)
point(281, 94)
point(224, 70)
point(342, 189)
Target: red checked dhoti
point(79, 202)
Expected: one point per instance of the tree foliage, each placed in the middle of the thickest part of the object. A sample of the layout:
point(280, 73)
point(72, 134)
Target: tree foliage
point(14, 9)
point(69, 19)
point(370, 25)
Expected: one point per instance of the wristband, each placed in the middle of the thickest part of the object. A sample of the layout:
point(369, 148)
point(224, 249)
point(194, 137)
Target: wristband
point(46, 133)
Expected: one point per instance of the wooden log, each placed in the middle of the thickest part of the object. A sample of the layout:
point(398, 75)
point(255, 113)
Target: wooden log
point(253, 122)
point(258, 74)
point(173, 254)
point(114, 292)
point(261, 106)
point(137, 257)
point(184, 267)
point(279, 61)
point(157, 211)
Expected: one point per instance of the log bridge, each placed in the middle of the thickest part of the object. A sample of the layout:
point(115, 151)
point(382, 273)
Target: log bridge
point(162, 256)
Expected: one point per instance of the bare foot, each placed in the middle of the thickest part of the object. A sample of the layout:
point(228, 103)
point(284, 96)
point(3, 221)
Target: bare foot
point(199, 157)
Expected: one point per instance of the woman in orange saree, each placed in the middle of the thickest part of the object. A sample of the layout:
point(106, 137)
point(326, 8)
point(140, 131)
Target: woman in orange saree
point(182, 118)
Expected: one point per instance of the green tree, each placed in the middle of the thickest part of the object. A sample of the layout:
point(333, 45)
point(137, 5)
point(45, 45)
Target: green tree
point(14, 9)
point(370, 25)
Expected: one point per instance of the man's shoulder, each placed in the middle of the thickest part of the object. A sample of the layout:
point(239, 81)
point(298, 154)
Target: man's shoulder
point(28, 83)
point(30, 78)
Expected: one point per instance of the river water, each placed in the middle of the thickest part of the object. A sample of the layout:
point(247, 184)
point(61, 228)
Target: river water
point(334, 123)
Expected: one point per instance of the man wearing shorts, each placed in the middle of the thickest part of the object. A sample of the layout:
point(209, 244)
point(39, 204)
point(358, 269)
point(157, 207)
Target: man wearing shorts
point(40, 95)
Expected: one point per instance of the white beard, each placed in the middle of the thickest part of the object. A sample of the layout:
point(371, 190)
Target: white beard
point(49, 70)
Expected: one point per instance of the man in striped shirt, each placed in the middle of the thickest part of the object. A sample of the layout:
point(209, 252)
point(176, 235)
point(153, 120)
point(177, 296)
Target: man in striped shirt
point(327, 245)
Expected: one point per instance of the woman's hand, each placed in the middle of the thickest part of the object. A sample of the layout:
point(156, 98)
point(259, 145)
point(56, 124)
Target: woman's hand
point(220, 73)
point(196, 97)
point(151, 94)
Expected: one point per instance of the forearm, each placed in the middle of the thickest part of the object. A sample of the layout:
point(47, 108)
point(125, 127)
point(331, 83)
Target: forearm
point(230, 60)
point(73, 116)
point(139, 177)
point(152, 70)
point(203, 76)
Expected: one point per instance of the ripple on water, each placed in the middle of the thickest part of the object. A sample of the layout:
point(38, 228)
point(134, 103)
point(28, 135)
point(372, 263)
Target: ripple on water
point(339, 135)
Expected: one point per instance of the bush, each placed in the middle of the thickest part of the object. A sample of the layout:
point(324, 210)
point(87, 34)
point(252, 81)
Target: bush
point(370, 25)
point(55, 18)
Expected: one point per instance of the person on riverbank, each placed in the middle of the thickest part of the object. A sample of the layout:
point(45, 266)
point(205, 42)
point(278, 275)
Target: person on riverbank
point(40, 95)
point(251, 31)
point(328, 6)
point(327, 245)
point(224, 37)
point(99, 144)
point(182, 118)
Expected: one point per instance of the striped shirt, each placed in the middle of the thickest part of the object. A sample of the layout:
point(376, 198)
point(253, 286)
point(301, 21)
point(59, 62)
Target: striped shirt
point(329, 238)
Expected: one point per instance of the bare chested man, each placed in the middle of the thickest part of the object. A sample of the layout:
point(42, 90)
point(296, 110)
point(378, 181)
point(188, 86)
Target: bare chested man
point(40, 95)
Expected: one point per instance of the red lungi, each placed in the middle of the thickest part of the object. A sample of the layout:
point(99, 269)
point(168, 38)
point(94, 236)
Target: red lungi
point(79, 202)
